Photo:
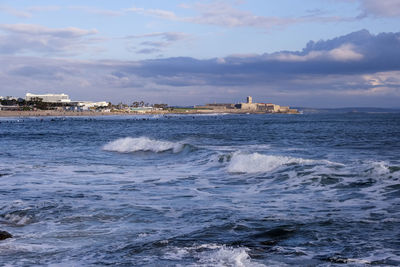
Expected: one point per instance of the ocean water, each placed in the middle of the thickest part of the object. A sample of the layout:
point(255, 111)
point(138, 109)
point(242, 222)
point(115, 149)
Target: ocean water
point(215, 190)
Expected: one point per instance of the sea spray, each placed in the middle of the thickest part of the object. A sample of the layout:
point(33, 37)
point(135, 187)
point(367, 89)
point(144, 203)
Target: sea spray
point(259, 163)
point(213, 255)
point(130, 145)
point(69, 202)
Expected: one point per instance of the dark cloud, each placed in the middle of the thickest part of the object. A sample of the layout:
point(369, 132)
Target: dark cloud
point(356, 67)
point(159, 41)
point(148, 51)
point(359, 52)
point(154, 44)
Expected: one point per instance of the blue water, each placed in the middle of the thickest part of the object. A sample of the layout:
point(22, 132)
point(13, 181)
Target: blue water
point(218, 190)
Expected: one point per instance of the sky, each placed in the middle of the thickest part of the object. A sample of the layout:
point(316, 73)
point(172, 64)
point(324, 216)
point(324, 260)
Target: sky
point(309, 53)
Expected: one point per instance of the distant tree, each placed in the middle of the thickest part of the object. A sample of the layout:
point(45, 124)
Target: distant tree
point(21, 102)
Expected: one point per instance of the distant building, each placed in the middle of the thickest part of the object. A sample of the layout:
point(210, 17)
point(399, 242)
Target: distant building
point(11, 98)
point(49, 98)
point(89, 104)
point(10, 108)
point(268, 107)
point(249, 106)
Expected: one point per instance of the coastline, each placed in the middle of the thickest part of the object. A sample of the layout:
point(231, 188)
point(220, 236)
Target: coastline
point(54, 113)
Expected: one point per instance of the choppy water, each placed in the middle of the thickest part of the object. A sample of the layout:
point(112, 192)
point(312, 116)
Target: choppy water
point(232, 190)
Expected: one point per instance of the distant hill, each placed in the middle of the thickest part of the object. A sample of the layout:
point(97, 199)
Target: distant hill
point(306, 110)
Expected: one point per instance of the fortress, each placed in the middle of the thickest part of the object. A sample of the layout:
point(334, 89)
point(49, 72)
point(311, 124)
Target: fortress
point(249, 106)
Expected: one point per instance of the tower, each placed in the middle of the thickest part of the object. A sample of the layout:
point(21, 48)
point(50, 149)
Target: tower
point(249, 100)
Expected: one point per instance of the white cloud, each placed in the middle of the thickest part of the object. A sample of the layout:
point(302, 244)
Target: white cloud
point(23, 38)
point(15, 12)
point(98, 11)
point(389, 78)
point(27, 12)
point(344, 53)
point(167, 36)
point(43, 8)
point(381, 8)
point(229, 15)
point(154, 12)
point(32, 29)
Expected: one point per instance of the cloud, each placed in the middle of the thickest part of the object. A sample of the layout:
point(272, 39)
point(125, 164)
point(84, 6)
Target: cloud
point(23, 38)
point(148, 51)
point(15, 12)
point(154, 12)
point(27, 12)
point(345, 52)
point(31, 29)
point(43, 8)
point(154, 44)
point(358, 52)
point(225, 14)
point(380, 8)
point(167, 36)
point(98, 11)
point(163, 40)
point(356, 69)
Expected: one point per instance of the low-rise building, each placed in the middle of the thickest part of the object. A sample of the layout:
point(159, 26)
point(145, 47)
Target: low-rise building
point(86, 105)
point(249, 106)
point(48, 98)
point(10, 108)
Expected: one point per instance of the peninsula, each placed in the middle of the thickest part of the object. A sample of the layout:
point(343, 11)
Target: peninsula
point(62, 105)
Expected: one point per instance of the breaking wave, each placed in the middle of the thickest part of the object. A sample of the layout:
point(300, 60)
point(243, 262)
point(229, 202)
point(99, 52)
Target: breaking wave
point(130, 145)
point(214, 255)
point(19, 218)
point(259, 163)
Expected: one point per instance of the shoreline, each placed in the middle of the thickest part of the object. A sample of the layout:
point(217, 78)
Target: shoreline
point(53, 113)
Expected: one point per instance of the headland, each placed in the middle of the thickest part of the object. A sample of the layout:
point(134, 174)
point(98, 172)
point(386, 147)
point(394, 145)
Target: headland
point(60, 105)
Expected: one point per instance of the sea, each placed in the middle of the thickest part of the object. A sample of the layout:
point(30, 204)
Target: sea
point(201, 190)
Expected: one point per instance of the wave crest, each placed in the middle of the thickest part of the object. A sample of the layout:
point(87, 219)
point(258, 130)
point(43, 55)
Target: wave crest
point(19, 218)
point(129, 145)
point(259, 163)
point(213, 255)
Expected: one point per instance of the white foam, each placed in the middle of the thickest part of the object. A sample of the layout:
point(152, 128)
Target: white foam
point(18, 219)
point(259, 163)
point(379, 168)
point(226, 256)
point(129, 145)
point(213, 255)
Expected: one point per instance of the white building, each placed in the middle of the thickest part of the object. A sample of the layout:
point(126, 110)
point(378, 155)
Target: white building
point(88, 104)
point(50, 98)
